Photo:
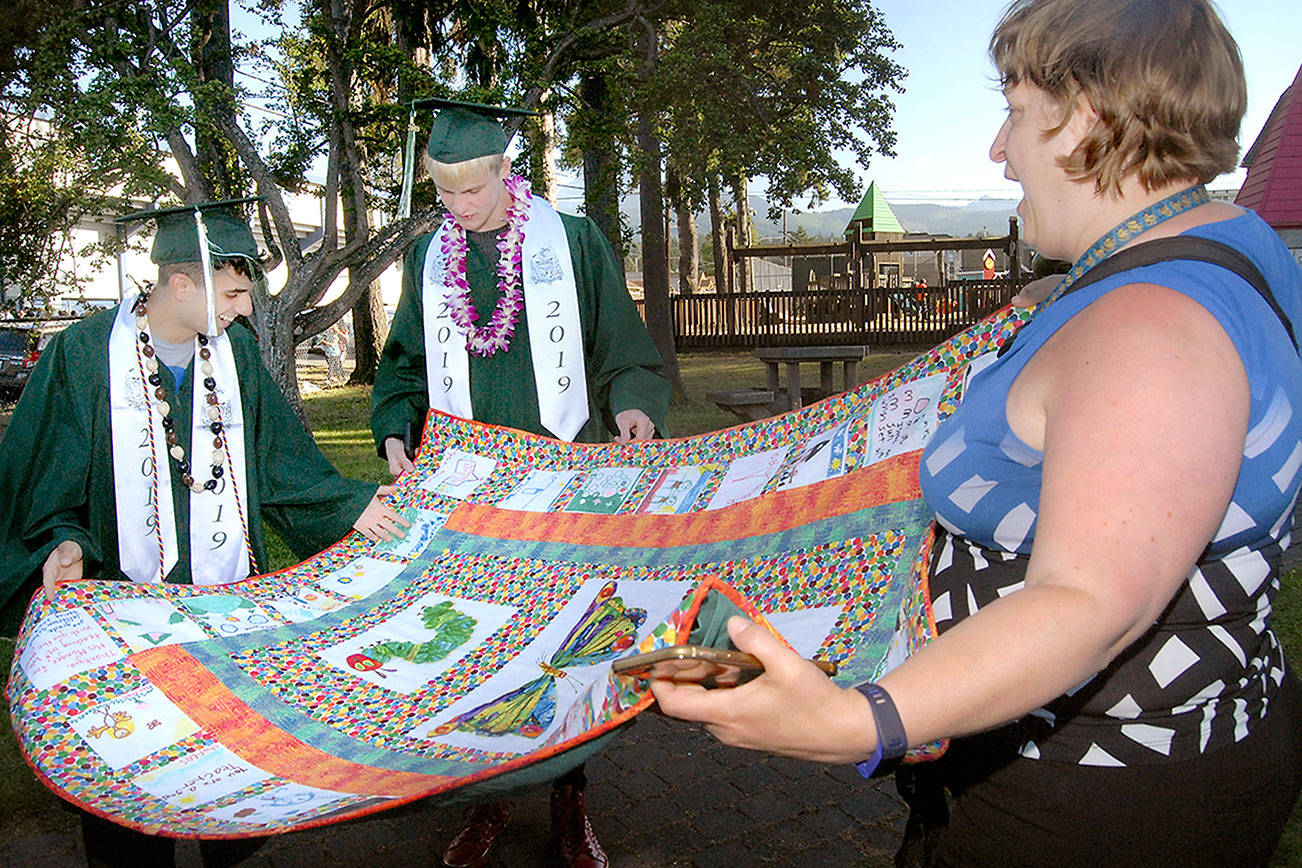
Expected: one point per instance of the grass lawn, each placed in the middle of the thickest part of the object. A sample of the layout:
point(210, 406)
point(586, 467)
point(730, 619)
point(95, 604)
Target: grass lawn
point(339, 419)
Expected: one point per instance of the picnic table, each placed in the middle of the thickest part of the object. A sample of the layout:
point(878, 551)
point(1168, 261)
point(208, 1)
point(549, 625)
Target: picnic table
point(774, 358)
point(759, 403)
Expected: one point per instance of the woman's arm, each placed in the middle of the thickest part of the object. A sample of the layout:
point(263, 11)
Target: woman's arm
point(1140, 405)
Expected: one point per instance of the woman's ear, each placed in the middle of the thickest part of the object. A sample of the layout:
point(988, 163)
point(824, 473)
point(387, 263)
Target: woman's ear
point(1083, 117)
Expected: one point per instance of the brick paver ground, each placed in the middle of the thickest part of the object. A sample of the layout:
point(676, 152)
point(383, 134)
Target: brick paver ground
point(664, 794)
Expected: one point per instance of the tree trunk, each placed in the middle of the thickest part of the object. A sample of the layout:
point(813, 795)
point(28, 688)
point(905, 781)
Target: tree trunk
point(601, 162)
point(716, 237)
point(276, 344)
point(743, 232)
point(673, 191)
point(655, 267)
point(665, 219)
point(542, 139)
point(689, 248)
point(212, 53)
point(370, 328)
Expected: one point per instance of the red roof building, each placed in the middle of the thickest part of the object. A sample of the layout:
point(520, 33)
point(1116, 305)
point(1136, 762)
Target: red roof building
point(1273, 187)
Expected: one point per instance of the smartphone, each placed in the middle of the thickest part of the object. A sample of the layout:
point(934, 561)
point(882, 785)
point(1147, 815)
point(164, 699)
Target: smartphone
point(711, 667)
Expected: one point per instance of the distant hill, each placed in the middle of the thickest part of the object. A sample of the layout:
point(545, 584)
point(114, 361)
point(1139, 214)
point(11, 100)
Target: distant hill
point(990, 215)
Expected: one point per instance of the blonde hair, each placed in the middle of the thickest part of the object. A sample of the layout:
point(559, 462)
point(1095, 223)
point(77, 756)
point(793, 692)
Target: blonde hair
point(465, 172)
point(1164, 77)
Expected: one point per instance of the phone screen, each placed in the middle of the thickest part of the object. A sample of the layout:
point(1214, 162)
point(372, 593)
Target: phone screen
point(708, 673)
point(710, 667)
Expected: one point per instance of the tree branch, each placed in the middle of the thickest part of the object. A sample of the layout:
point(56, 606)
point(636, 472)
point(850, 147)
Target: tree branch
point(376, 255)
point(633, 10)
point(267, 187)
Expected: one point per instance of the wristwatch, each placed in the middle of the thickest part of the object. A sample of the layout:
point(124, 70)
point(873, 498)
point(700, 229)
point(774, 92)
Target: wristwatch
point(892, 743)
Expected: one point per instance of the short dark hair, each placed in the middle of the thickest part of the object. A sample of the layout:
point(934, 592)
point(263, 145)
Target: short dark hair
point(1164, 77)
point(194, 270)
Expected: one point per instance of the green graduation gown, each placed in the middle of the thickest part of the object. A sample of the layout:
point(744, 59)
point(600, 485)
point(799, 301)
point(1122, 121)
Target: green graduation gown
point(623, 368)
point(56, 467)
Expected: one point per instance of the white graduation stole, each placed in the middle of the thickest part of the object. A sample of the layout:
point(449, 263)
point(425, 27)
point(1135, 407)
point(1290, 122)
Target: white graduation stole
point(551, 306)
point(142, 469)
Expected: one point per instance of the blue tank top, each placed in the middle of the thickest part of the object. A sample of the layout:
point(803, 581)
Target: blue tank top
point(984, 483)
point(1205, 672)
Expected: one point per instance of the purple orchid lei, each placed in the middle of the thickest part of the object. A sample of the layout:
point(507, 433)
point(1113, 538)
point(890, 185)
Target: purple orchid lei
point(510, 267)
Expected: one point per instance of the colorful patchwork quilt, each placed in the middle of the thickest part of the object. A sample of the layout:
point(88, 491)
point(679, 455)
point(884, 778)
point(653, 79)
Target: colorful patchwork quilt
point(474, 655)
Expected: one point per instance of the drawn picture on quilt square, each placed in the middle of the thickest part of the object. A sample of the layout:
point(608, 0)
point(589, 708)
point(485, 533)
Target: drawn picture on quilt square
point(806, 629)
point(458, 474)
point(747, 476)
point(818, 458)
point(130, 727)
point(675, 490)
point(64, 644)
point(144, 623)
point(288, 799)
point(904, 418)
point(604, 490)
point(304, 603)
point(538, 491)
point(606, 628)
point(228, 614)
point(601, 622)
point(198, 778)
point(360, 577)
point(419, 643)
point(424, 524)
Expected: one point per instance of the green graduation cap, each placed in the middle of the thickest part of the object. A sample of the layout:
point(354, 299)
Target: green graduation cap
point(461, 131)
point(465, 130)
point(201, 232)
point(179, 230)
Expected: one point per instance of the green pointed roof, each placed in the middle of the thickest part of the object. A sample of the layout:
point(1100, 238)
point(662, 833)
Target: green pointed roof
point(874, 213)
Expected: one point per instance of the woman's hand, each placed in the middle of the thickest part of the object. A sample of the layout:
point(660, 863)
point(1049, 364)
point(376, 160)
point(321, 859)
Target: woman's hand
point(378, 522)
point(792, 709)
point(1037, 290)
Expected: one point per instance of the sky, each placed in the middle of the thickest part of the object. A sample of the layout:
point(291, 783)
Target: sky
point(951, 107)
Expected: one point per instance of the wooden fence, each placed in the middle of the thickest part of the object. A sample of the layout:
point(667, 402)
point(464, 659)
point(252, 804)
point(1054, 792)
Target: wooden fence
point(877, 317)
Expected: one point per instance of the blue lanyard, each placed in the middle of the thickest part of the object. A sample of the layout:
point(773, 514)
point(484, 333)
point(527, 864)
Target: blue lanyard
point(1117, 237)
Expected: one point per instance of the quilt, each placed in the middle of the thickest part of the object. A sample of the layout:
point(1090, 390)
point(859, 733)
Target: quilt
point(474, 655)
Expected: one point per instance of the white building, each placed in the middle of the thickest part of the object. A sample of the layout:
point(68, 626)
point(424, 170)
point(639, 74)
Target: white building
point(108, 278)
point(104, 278)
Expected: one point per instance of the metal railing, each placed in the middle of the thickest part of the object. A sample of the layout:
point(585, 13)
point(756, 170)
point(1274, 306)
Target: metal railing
point(823, 317)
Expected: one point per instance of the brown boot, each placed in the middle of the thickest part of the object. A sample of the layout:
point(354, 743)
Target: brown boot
point(578, 843)
point(469, 849)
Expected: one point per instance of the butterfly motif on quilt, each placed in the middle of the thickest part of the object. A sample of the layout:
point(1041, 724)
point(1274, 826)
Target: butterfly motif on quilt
point(607, 629)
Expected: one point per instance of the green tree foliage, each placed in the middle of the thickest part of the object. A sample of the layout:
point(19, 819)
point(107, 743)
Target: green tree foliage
point(151, 102)
point(66, 144)
point(777, 90)
point(145, 97)
point(733, 90)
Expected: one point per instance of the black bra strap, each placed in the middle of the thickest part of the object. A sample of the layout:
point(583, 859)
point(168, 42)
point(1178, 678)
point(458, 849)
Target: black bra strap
point(1184, 247)
point(1188, 247)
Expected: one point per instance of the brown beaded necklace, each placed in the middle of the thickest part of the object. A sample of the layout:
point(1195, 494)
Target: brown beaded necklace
point(153, 382)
